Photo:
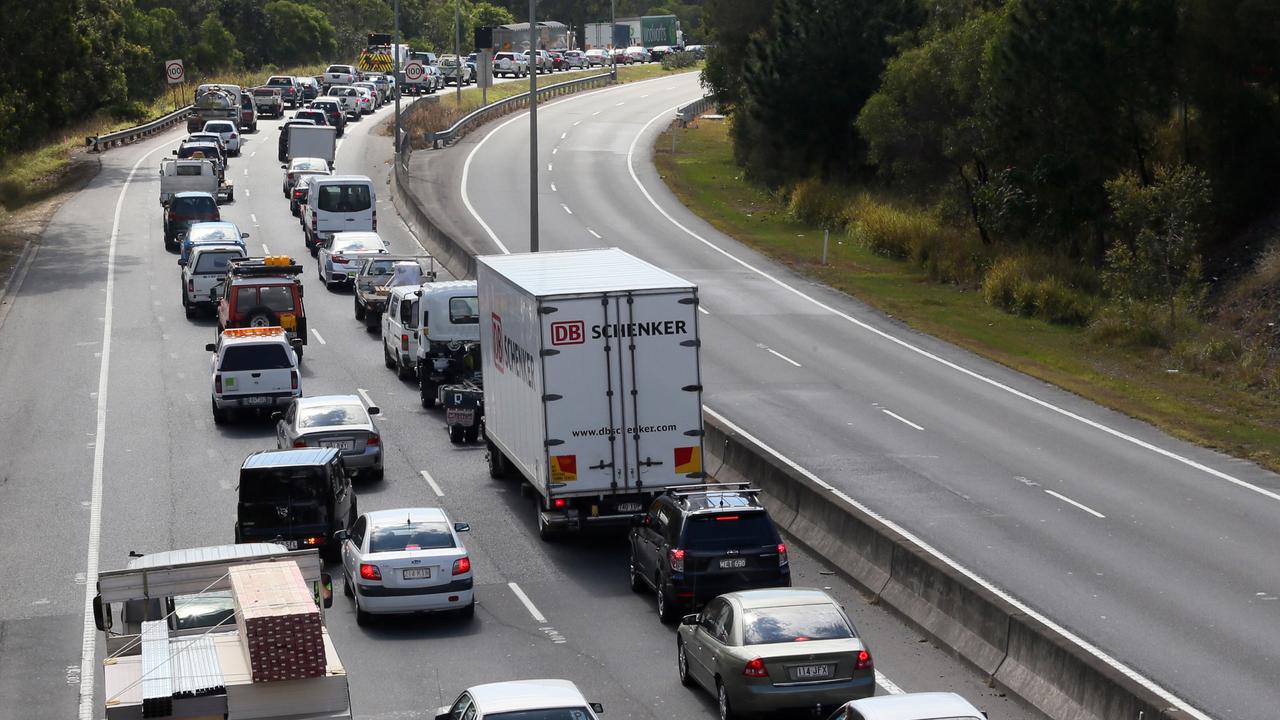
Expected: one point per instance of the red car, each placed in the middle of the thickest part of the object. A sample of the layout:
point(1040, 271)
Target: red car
point(558, 62)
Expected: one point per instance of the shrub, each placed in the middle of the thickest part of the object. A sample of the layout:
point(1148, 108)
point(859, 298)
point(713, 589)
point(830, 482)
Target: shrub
point(817, 203)
point(677, 60)
point(1031, 287)
point(885, 229)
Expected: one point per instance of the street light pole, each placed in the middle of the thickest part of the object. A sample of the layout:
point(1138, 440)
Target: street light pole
point(613, 35)
point(395, 64)
point(457, 46)
point(533, 130)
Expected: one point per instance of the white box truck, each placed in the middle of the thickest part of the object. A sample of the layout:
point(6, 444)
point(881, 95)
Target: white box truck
point(592, 383)
point(314, 141)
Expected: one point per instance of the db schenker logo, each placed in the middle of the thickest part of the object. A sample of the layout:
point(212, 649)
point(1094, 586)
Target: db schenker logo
point(572, 332)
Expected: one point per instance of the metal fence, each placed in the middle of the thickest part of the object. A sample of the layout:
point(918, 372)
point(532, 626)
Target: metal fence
point(686, 113)
point(515, 102)
point(99, 143)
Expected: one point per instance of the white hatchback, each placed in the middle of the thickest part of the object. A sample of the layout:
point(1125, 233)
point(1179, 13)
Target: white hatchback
point(229, 133)
point(405, 561)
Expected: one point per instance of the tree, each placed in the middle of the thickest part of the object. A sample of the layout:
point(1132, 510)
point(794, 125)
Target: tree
point(486, 14)
point(302, 33)
point(216, 47)
point(731, 25)
point(1160, 226)
point(353, 20)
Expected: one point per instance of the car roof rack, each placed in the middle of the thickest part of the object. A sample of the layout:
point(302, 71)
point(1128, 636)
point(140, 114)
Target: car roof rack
point(734, 487)
point(268, 266)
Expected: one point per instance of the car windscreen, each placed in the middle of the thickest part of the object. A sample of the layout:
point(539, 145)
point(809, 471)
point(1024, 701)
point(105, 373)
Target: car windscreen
point(345, 198)
point(714, 532)
point(209, 609)
point(215, 262)
point(464, 311)
point(215, 234)
point(357, 245)
point(186, 151)
point(795, 623)
point(579, 713)
point(325, 415)
point(411, 536)
point(380, 266)
point(337, 69)
point(219, 127)
point(299, 484)
point(195, 207)
point(264, 356)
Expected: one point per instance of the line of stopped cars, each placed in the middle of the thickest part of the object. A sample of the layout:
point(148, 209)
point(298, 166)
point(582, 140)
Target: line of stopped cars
point(709, 553)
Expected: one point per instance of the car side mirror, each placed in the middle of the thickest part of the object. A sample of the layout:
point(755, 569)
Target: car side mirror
point(244, 235)
point(296, 344)
point(181, 262)
point(374, 410)
point(690, 619)
point(284, 167)
point(341, 535)
point(597, 708)
point(175, 152)
point(462, 527)
point(277, 416)
point(101, 617)
point(211, 347)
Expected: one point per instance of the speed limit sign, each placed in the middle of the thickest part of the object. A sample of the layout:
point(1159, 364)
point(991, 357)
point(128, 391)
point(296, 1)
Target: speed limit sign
point(174, 72)
point(413, 71)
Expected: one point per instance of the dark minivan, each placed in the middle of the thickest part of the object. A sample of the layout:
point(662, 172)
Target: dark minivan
point(700, 541)
point(297, 498)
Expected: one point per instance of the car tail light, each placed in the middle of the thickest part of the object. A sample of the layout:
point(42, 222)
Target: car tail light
point(755, 668)
point(339, 260)
point(375, 220)
point(217, 383)
point(374, 440)
point(782, 554)
point(677, 560)
point(299, 443)
point(293, 379)
point(312, 541)
point(404, 343)
point(462, 566)
point(191, 285)
point(313, 224)
point(862, 661)
point(559, 503)
point(297, 194)
point(370, 572)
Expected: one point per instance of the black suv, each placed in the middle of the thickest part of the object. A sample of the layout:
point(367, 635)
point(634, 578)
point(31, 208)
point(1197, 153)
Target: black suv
point(298, 498)
point(700, 541)
point(332, 113)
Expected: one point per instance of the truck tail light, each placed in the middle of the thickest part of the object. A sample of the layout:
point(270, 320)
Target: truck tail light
point(862, 661)
point(755, 668)
point(677, 560)
point(559, 503)
point(217, 384)
point(191, 285)
point(370, 572)
point(462, 566)
point(293, 379)
point(782, 554)
point(374, 441)
point(404, 343)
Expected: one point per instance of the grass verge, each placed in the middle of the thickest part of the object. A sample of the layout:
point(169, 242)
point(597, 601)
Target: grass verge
point(1199, 409)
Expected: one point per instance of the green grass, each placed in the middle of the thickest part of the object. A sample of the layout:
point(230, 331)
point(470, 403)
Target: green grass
point(1196, 408)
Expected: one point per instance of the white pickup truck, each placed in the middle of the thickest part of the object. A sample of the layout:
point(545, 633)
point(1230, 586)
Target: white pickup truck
point(340, 75)
point(202, 276)
point(252, 368)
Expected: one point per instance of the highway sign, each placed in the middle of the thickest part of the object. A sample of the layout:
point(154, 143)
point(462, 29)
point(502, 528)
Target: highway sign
point(174, 72)
point(414, 71)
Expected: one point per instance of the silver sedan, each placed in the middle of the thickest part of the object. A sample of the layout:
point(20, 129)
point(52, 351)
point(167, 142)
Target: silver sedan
point(337, 421)
point(339, 259)
point(763, 651)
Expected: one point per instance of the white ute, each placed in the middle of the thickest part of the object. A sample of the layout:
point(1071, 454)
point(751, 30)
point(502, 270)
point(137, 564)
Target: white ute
point(204, 274)
point(253, 368)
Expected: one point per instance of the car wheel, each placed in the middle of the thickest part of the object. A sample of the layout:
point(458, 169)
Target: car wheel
point(346, 588)
point(386, 357)
point(371, 320)
point(666, 613)
point(188, 309)
point(633, 576)
point(362, 618)
point(682, 664)
point(402, 372)
point(359, 309)
point(427, 389)
point(722, 701)
point(376, 475)
point(262, 318)
point(469, 611)
point(219, 414)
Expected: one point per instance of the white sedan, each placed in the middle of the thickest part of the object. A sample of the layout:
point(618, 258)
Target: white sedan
point(339, 259)
point(405, 561)
point(546, 699)
point(229, 133)
point(365, 100)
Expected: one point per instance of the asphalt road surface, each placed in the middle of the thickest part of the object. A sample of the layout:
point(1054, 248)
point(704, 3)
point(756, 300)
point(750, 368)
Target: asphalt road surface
point(110, 446)
point(1159, 553)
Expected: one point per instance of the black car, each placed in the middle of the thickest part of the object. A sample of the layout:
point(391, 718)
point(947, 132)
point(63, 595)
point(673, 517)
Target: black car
point(332, 113)
point(184, 210)
point(298, 498)
point(308, 88)
point(700, 541)
point(282, 149)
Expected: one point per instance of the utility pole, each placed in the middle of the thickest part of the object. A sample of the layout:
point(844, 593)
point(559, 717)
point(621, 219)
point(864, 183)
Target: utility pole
point(395, 64)
point(457, 46)
point(533, 129)
point(613, 35)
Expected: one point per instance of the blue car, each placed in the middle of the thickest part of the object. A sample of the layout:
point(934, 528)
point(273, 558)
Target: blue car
point(210, 233)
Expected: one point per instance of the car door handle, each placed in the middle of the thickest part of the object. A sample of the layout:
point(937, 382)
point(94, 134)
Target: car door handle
point(255, 375)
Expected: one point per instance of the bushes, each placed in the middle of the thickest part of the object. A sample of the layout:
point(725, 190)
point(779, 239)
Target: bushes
point(677, 60)
point(1034, 287)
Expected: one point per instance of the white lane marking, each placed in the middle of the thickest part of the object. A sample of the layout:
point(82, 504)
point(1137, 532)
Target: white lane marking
point(576, 124)
point(253, 154)
point(564, 135)
point(925, 353)
point(703, 310)
point(89, 639)
point(784, 357)
point(619, 104)
point(253, 218)
point(1082, 506)
point(364, 395)
point(553, 187)
point(431, 481)
point(555, 150)
point(594, 234)
point(643, 96)
point(317, 334)
point(265, 250)
point(246, 172)
point(889, 686)
point(991, 587)
point(528, 604)
point(548, 167)
point(566, 208)
point(246, 192)
point(595, 113)
point(900, 419)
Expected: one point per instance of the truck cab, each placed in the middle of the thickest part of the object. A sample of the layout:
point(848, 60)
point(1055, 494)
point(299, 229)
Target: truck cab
point(298, 498)
point(264, 292)
point(448, 319)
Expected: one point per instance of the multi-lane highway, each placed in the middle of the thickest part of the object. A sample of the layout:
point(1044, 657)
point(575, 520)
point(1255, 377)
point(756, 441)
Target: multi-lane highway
point(1159, 554)
point(110, 447)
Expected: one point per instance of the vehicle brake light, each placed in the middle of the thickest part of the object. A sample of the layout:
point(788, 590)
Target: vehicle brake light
point(862, 661)
point(293, 379)
point(297, 194)
point(313, 541)
point(370, 572)
point(338, 259)
point(374, 440)
point(559, 503)
point(375, 219)
point(726, 517)
point(755, 668)
point(782, 554)
point(313, 224)
point(217, 383)
point(404, 343)
point(299, 443)
point(462, 566)
point(677, 560)
point(191, 285)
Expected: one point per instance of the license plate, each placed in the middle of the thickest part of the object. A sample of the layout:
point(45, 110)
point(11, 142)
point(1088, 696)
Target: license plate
point(290, 544)
point(811, 672)
point(257, 400)
point(731, 563)
point(629, 507)
point(340, 444)
point(460, 416)
point(417, 573)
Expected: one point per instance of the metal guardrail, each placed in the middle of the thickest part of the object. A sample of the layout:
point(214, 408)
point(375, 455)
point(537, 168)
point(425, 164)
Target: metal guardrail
point(99, 143)
point(686, 113)
point(504, 106)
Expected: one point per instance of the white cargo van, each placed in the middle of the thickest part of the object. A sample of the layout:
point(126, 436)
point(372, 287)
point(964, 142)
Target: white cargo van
point(592, 386)
point(338, 203)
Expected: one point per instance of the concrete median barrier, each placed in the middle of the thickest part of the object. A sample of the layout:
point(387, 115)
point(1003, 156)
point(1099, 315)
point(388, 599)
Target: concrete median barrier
point(1055, 673)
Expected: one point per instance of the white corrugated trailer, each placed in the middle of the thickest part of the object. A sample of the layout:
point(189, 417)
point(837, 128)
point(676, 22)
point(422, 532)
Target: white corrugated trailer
point(592, 382)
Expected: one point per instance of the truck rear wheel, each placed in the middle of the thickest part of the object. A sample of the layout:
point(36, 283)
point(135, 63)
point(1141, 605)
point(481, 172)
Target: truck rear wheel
point(455, 434)
point(359, 309)
point(427, 390)
point(471, 434)
point(545, 532)
point(497, 462)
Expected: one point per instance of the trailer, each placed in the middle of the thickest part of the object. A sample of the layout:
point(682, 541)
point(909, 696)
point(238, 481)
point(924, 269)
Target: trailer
point(592, 382)
point(312, 141)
